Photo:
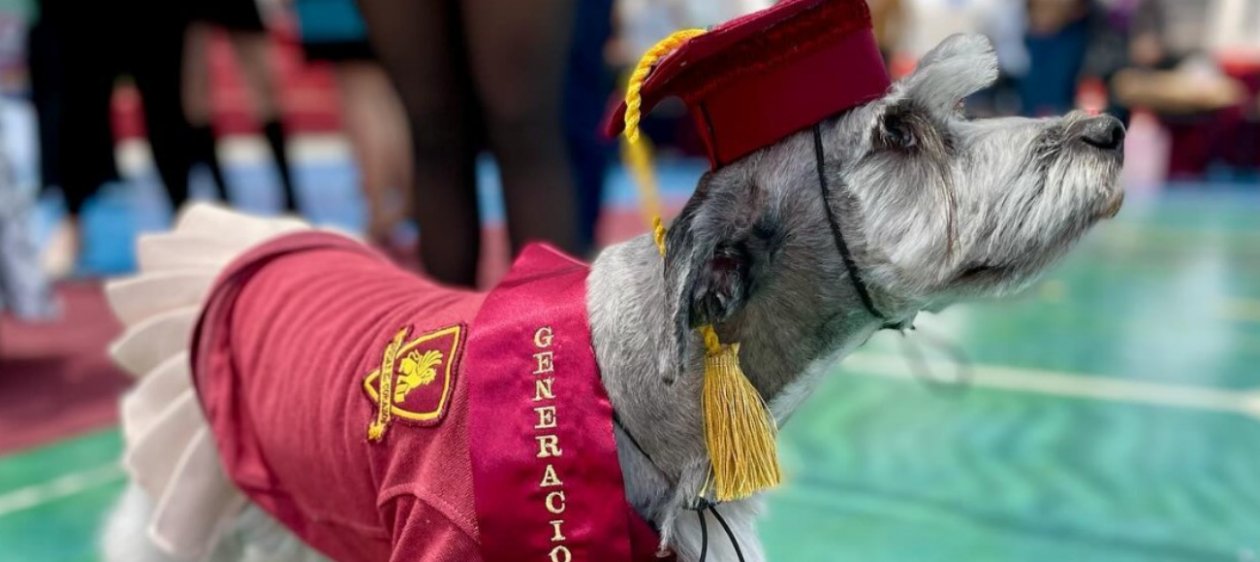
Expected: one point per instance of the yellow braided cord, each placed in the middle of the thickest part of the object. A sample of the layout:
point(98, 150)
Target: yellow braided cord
point(637, 157)
point(634, 102)
point(635, 153)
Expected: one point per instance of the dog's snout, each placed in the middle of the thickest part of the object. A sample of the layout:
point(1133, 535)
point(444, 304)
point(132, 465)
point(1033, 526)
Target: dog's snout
point(1105, 133)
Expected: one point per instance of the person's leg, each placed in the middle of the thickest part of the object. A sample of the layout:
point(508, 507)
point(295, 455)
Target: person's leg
point(588, 85)
point(24, 290)
point(421, 47)
point(204, 149)
point(46, 69)
point(195, 93)
point(85, 151)
point(519, 51)
point(253, 52)
point(376, 126)
point(156, 64)
point(196, 74)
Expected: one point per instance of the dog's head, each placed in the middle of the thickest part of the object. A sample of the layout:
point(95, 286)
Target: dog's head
point(935, 206)
point(954, 207)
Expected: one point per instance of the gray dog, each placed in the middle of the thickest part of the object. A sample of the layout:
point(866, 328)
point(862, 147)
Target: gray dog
point(934, 208)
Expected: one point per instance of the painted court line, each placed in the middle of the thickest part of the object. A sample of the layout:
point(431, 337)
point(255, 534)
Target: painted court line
point(1054, 383)
point(63, 486)
point(889, 366)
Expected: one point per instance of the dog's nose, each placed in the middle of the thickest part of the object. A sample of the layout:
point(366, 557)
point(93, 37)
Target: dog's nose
point(1104, 132)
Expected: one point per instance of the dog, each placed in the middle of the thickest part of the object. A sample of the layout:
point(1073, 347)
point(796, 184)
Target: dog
point(935, 208)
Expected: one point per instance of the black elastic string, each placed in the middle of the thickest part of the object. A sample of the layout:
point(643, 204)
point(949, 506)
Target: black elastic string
point(845, 255)
point(630, 436)
point(727, 528)
point(622, 426)
point(919, 367)
point(704, 534)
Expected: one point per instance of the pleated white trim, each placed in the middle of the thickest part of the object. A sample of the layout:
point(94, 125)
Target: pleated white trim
point(170, 453)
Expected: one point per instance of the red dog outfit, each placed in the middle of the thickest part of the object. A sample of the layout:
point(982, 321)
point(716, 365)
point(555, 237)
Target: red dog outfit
point(497, 443)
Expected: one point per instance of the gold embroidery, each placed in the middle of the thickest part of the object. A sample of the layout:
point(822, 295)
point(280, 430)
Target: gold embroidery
point(408, 366)
point(384, 410)
point(417, 370)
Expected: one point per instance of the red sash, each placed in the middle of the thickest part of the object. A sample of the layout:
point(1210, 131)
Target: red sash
point(545, 473)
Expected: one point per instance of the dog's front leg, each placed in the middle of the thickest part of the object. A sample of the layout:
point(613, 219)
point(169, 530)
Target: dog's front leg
point(741, 516)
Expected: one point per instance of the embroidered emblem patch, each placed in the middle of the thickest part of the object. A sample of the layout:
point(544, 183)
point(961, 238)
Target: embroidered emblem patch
point(418, 381)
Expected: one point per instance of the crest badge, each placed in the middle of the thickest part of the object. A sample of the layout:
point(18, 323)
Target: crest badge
point(415, 379)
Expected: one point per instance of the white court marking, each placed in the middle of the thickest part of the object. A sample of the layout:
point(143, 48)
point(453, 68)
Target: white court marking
point(63, 486)
point(1245, 402)
point(1012, 379)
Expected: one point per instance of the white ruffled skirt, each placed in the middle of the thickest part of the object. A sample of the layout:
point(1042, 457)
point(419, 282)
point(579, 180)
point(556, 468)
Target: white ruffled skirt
point(170, 453)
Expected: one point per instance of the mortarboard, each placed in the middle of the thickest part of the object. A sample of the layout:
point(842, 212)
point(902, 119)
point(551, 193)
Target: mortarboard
point(754, 80)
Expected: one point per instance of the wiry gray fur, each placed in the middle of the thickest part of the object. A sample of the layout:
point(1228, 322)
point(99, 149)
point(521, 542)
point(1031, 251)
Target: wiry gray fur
point(934, 207)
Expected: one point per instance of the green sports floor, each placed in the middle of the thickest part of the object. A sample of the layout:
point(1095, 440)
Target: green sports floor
point(1110, 414)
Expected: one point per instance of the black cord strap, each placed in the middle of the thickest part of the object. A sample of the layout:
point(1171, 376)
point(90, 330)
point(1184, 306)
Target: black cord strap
point(849, 264)
point(638, 447)
point(729, 534)
point(700, 508)
point(704, 535)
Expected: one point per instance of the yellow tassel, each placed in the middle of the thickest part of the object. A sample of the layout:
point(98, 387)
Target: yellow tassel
point(739, 430)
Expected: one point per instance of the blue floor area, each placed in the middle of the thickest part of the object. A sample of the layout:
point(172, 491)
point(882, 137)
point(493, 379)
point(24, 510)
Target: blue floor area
point(328, 195)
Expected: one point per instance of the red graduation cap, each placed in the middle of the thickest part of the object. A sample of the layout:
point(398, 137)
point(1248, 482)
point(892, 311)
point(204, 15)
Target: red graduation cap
point(754, 80)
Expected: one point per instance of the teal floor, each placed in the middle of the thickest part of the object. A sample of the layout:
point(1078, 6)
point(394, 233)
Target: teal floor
point(1163, 301)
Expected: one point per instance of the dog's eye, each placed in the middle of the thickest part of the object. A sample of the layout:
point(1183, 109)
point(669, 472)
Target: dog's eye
point(899, 133)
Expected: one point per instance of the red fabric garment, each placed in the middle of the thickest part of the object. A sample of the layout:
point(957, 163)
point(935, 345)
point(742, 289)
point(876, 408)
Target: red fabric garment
point(289, 336)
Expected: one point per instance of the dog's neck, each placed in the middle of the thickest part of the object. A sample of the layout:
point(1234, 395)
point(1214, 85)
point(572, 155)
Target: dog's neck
point(788, 339)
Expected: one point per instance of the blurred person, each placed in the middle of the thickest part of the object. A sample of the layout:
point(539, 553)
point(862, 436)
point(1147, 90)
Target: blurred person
point(1234, 41)
point(333, 31)
point(246, 31)
point(1174, 75)
point(887, 19)
point(78, 51)
point(641, 23)
point(1058, 37)
point(1107, 55)
point(587, 87)
point(928, 22)
point(72, 81)
point(474, 71)
point(924, 23)
point(24, 290)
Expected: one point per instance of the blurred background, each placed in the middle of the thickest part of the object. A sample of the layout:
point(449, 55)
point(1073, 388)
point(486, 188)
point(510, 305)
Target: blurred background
point(1112, 413)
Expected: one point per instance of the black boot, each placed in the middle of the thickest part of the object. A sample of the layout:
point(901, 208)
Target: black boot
point(274, 132)
point(205, 152)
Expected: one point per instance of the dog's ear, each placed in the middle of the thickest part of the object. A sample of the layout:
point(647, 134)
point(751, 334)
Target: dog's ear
point(959, 66)
point(718, 250)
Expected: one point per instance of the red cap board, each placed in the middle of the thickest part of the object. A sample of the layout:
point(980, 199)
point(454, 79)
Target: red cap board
point(754, 80)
